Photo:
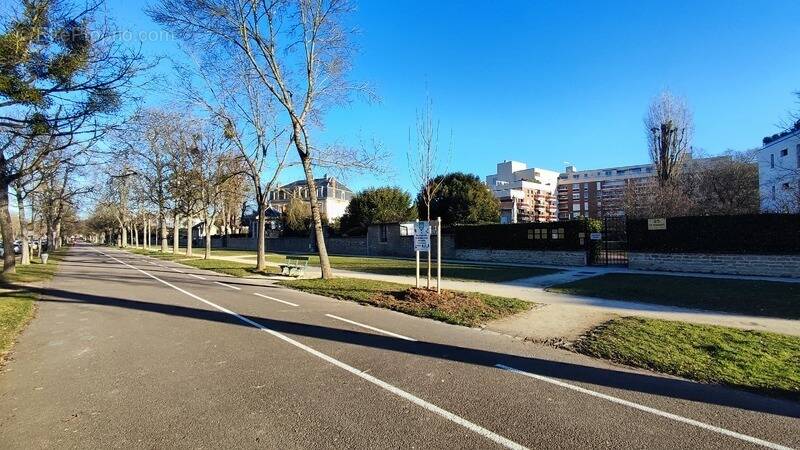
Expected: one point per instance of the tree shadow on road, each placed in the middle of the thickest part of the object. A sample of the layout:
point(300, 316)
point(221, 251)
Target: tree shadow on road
point(617, 379)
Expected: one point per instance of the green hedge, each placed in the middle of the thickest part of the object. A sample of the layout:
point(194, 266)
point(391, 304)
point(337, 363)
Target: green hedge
point(751, 233)
point(521, 236)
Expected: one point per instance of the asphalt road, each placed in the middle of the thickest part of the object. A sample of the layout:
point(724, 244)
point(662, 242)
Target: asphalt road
point(127, 351)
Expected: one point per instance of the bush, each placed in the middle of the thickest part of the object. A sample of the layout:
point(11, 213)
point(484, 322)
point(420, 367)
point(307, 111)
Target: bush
point(750, 233)
point(522, 236)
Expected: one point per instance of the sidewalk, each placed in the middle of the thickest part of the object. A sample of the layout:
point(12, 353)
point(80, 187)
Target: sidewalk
point(566, 316)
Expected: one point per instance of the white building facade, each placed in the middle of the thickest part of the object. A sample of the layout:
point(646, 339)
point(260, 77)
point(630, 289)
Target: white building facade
point(525, 194)
point(779, 173)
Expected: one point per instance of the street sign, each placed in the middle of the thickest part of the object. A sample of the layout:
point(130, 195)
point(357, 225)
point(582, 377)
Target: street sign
point(595, 236)
point(656, 224)
point(422, 237)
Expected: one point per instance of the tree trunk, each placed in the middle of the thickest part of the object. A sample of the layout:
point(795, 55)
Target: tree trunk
point(176, 233)
point(135, 236)
point(9, 260)
point(23, 226)
point(163, 221)
point(207, 226)
point(57, 235)
point(324, 262)
point(188, 235)
point(261, 259)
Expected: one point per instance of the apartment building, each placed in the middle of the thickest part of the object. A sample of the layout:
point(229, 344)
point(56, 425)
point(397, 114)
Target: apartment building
point(525, 194)
point(597, 192)
point(779, 172)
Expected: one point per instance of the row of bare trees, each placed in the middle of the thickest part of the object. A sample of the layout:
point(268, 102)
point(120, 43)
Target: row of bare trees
point(65, 76)
point(174, 170)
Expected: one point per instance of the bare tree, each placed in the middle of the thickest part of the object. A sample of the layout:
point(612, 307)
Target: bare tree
point(246, 116)
point(299, 52)
point(65, 75)
point(425, 161)
point(669, 128)
point(425, 157)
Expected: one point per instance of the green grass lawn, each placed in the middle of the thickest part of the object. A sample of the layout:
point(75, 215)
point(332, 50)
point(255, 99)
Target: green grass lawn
point(234, 268)
point(393, 266)
point(459, 308)
point(16, 309)
point(35, 271)
point(760, 361)
point(759, 298)
point(237, 269)
point(450, 271)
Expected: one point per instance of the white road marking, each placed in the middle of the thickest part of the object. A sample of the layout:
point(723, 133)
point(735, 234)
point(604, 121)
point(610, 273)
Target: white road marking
point(648, 409)
point(505, 442)
point(228, 285)
point(176, 270)
point(388, 333)
point(275, 299)
point(151, 262)
point(196, 276)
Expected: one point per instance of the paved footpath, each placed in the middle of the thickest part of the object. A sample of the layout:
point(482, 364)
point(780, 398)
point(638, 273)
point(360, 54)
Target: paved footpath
point(569, 316)
point(128, 351)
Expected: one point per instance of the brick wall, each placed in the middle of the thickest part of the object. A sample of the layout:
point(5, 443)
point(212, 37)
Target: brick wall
point(731, 264)
point(548, 257)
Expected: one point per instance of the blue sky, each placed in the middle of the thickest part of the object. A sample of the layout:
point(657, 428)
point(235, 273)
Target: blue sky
point(546, 82)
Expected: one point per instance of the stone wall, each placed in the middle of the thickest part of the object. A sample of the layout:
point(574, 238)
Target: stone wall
point(731, 264)
point(393, 243)
point(548, 257)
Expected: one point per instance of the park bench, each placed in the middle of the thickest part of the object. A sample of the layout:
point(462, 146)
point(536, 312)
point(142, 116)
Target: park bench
point(294, 266)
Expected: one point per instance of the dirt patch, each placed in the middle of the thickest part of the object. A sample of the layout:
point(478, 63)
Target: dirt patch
point(461, 308)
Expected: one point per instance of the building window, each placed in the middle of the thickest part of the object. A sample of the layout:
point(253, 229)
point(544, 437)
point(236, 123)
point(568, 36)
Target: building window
point(576, 206)
point(786, 186)
point(785, 152)
point(608, 173)
point(384, 233)
point(771, 160)
point(540, 233)
point(599, 184)
point(576, 177)
point(576, 196)
point(558, 233)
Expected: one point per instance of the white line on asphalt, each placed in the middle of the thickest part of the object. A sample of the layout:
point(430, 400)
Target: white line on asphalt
point(176, 270)
point(228, 285)
point(648, 409)
point(275, 299)
point(505, 442)
point(196, 276)
point(388, 333)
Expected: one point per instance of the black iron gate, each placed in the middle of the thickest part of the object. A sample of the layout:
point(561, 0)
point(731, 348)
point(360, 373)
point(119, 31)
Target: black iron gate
point(612, 247)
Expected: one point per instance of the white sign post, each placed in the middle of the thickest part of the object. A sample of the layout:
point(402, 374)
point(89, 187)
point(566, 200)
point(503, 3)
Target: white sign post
point(438, 254)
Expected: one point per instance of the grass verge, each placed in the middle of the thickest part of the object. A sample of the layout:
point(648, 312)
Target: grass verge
point(459, 308)
point(752, 297)
point(35, 271)
point(233, 268)
point(758, 361)
point(16, 309)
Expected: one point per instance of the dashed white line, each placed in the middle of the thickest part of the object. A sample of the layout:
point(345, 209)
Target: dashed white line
point(176, 270)
point(505, 442)
point(388, 333)
point(196, 276)
point(648, 409)
point(228, 286)
point(275, 299)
